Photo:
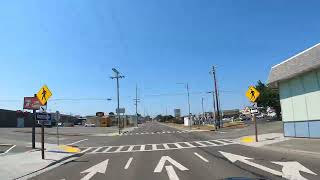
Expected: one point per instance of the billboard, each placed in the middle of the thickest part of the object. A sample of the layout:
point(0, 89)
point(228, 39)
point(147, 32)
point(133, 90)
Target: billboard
point(31, 103)
point(177, 112)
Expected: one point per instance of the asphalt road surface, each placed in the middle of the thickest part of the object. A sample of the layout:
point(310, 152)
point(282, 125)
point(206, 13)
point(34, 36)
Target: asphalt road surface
point(157, 152)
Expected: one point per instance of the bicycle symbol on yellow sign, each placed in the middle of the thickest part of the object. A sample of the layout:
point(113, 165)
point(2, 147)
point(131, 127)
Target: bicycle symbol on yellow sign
point(44, 94)
point(252, 94)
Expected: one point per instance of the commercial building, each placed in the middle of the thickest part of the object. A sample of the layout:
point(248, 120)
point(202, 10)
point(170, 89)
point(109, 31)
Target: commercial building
point(298, 81)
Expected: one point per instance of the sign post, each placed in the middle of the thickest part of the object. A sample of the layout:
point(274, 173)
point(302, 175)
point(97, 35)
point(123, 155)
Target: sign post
point(32, 103)
point(252, 94)
point(43, 96)
point(57, 124)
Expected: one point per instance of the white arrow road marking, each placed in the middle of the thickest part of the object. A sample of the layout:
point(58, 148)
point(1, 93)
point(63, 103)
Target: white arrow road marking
point(233, 158)
point(291, 170)
point(99, 168)
point(170, 171)
point(163, 160)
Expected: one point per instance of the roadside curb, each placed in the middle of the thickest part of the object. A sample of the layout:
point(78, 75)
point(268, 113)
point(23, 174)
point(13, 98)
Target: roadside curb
point(50, 166)
point(286, 150)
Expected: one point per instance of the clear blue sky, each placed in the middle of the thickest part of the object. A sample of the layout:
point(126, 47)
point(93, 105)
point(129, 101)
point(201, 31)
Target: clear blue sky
point(72, 45)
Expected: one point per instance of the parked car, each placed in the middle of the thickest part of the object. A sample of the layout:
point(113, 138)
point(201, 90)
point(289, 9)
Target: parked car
point(89, 125)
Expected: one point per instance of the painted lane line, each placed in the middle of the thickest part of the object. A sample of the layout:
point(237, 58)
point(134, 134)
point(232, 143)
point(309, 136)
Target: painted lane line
point(168, 132)
point(152, 132)
point(166, 146)
point(201, 144)
point(108, 148)
point(178, 145)
point(189, 144)
point(86, 150)
point(146, 133)
point(96, 150)
point(128, 163)
point(201, 157)
point(143, 147)
point(78, 142)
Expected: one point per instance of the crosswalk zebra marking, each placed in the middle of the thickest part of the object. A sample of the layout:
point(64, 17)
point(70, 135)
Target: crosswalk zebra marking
point(156, 147)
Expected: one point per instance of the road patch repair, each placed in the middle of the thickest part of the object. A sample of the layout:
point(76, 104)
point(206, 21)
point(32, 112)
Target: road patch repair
point(20, 165)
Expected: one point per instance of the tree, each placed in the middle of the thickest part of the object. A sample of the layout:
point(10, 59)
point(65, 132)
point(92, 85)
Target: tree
point(268, 97)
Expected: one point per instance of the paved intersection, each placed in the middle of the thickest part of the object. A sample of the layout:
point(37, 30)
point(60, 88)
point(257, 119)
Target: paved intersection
point(184, 156)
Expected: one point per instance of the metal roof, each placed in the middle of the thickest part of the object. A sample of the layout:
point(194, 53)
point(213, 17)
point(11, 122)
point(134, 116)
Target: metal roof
point(304, 61)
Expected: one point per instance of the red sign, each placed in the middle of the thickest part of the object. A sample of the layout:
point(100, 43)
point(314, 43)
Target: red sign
point(31, 103)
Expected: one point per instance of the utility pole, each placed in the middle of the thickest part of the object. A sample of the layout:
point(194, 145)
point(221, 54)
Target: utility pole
point(118, 76)
point(202, 110)
point(189, 106)
point(187, 85)
point(136, 103)
point(217, 97)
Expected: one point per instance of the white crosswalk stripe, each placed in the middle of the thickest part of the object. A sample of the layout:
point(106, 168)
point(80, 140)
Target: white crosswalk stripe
point(156, 147)
point(159, 132)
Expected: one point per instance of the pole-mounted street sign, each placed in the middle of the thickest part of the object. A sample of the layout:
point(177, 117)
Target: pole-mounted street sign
point(252, 94)
point(44, 94)
point(31, 103)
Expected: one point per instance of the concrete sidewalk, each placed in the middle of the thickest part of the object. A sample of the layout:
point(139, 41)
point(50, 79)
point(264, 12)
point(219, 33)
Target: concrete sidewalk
point(23, 164)
point(76, 131)
point(207, 127)
point(277, 142)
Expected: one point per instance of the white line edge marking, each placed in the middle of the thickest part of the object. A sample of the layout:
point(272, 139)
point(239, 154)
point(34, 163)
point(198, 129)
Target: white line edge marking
point(9, 149)
point(201, 157)
point(128, 163)
point(77, 142)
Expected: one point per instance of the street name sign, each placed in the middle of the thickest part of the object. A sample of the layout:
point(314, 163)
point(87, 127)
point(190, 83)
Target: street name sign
point(44, 94)
point(43, 116)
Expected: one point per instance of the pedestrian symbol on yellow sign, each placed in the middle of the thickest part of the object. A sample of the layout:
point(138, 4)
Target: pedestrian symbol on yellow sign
point(252, 94)
point(44, 94)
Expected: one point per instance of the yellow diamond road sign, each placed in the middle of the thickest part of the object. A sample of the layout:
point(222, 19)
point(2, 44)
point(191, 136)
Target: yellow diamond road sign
point(252, 94)
point(44, 94)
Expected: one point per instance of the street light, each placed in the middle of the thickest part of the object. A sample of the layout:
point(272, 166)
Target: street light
point(117, 76)
point(187, 86)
